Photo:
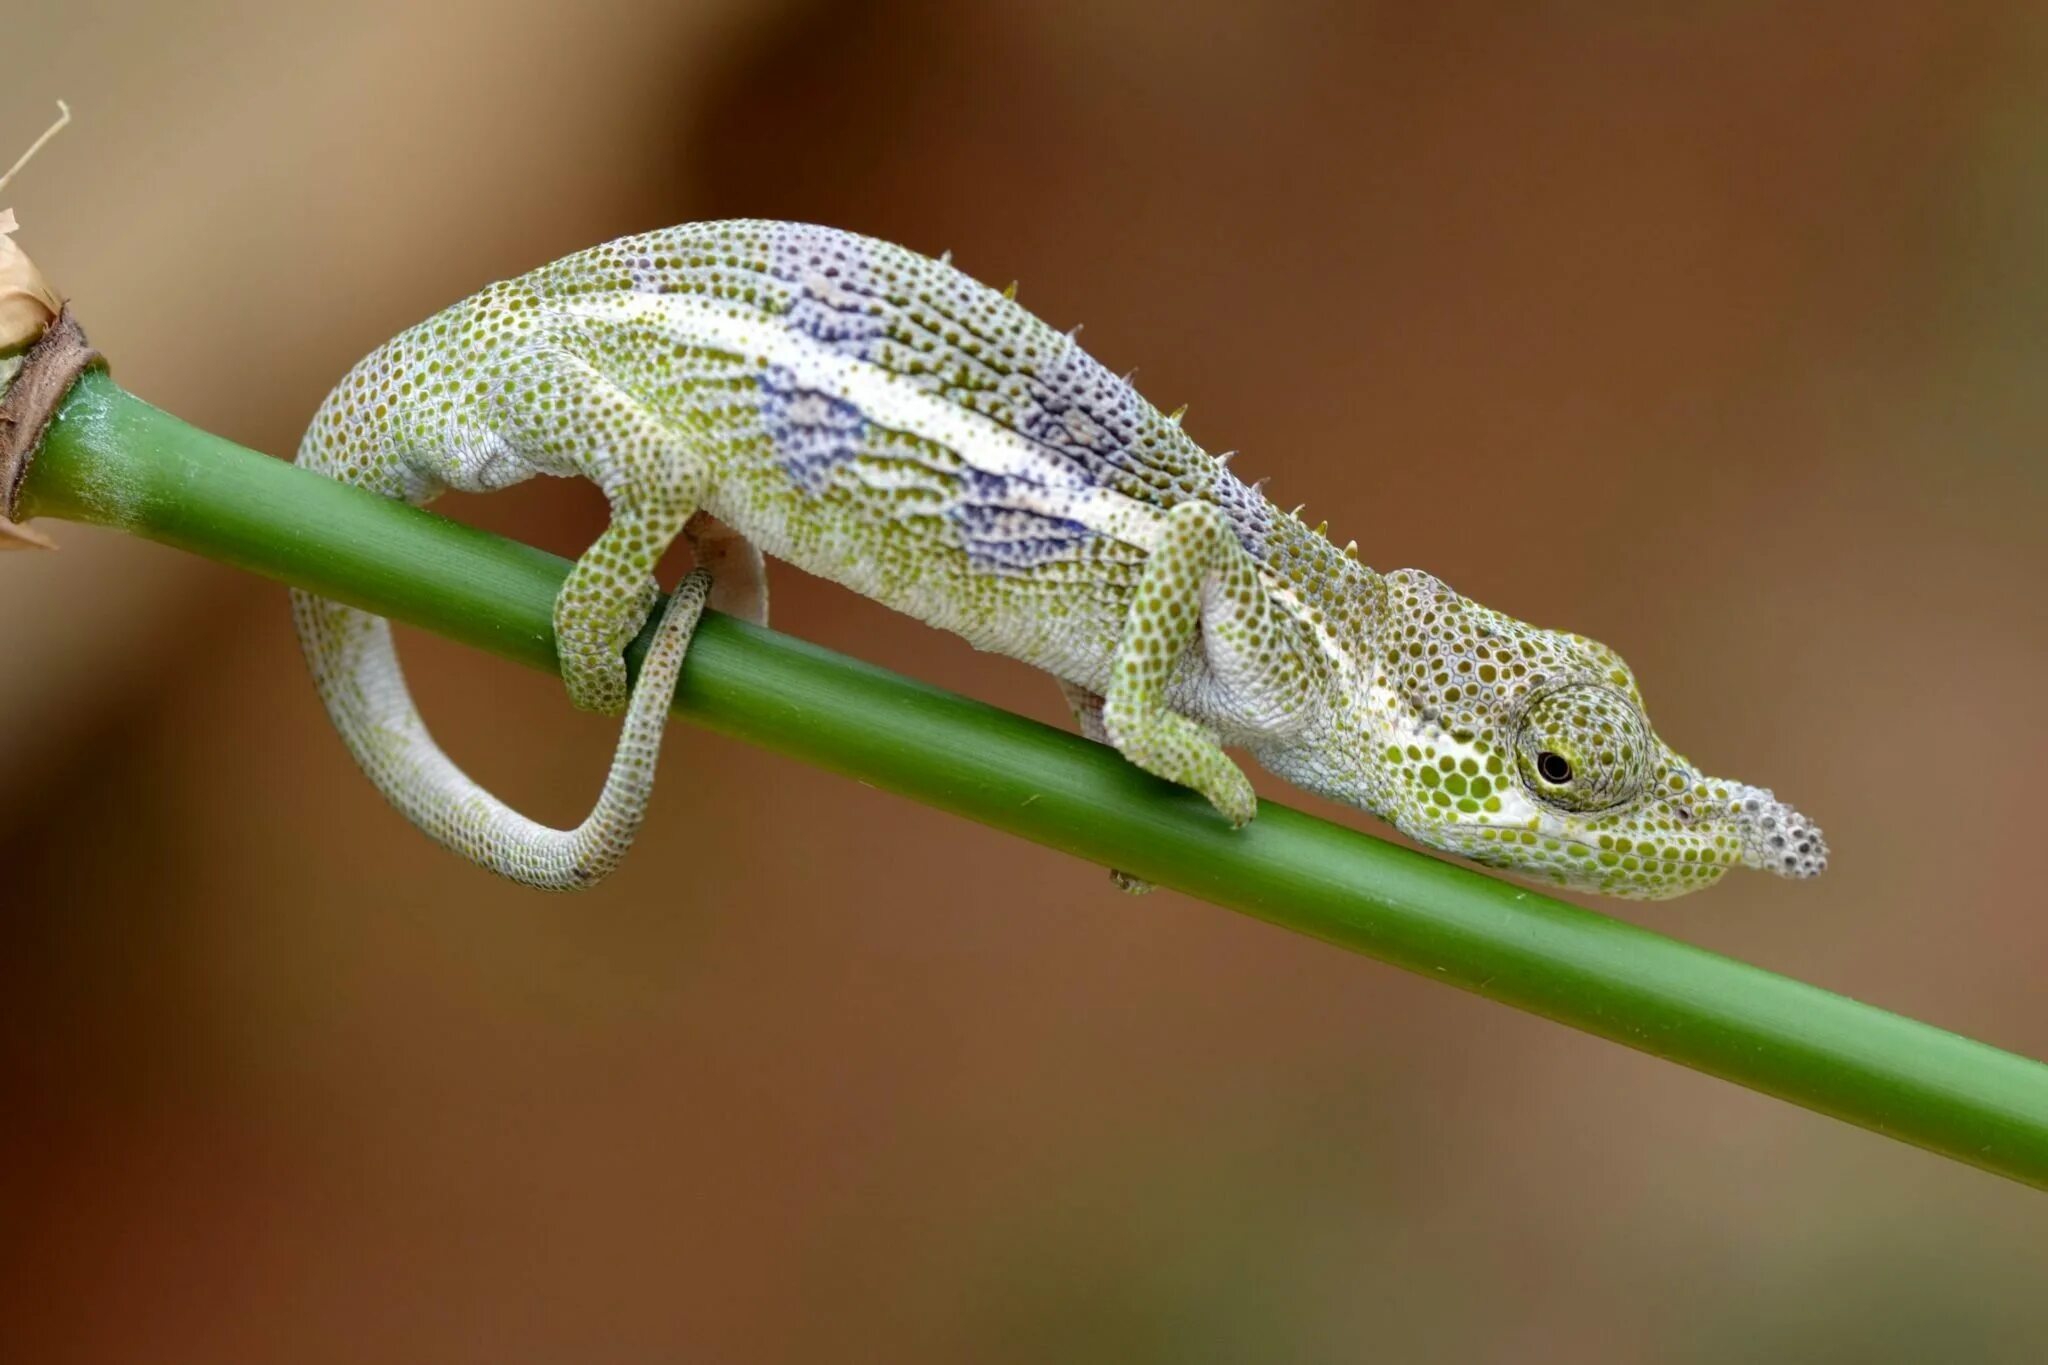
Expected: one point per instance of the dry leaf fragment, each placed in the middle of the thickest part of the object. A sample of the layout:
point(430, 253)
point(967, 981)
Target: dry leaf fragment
point(27, 302)
point(28, 305)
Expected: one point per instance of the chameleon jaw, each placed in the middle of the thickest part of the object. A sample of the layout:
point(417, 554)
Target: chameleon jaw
point(1653, 879)
point(1642, 859)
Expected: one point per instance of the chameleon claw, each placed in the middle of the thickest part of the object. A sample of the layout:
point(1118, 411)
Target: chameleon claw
point(1129, 885)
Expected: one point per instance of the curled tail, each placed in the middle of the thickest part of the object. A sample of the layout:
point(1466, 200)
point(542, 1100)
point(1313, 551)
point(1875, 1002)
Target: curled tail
point(355, 667)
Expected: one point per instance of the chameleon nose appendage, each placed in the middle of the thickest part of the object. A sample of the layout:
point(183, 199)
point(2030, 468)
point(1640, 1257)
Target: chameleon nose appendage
point(1777, 838)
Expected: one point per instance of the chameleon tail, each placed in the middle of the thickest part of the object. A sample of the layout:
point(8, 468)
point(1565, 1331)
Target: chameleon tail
point(355, 667)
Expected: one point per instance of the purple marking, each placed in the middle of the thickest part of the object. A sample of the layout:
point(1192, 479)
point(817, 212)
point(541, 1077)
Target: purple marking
point(1001, 537)
point(813, 431)
point(847, 293)
point(833, 299)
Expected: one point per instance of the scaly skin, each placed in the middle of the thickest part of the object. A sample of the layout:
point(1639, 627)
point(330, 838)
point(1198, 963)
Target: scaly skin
point(882, 420)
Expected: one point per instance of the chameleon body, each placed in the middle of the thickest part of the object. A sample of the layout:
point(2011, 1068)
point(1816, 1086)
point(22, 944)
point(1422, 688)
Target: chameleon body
point(880, 419)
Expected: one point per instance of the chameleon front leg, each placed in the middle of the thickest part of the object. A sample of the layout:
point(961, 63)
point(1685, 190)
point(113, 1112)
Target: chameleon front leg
point(1199, 588)
point(1087, 709)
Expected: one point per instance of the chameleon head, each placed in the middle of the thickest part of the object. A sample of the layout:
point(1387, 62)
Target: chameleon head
point(1529, 750)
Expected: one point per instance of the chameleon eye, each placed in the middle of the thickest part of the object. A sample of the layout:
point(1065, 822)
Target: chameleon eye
point(1583, 747)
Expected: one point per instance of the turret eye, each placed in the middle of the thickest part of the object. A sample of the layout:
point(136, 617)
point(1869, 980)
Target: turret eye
point(1583, 747)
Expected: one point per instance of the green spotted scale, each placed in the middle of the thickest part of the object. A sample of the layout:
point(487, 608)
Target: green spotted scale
point(880, 419)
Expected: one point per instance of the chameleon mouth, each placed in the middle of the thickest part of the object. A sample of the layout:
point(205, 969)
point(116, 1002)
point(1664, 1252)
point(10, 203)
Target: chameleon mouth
point(1590, 871)
point(1775, 837)
point(1771, 836)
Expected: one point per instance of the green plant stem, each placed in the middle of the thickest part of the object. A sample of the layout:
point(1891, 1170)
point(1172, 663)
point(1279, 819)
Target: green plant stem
point(113, 460)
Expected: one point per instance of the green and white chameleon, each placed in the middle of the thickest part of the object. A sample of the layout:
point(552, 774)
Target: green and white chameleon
point(882, 420)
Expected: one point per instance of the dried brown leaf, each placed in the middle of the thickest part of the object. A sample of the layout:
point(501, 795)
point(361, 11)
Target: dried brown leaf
point(27, 302)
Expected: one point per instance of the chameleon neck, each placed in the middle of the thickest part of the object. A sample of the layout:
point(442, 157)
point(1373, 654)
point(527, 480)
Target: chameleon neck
point(1340, 597)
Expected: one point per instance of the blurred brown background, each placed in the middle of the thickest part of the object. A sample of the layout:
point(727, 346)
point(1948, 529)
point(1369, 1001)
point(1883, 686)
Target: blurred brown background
point(1717, 331)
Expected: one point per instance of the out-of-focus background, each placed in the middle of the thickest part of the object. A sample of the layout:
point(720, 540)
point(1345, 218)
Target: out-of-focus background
point(1717, 331)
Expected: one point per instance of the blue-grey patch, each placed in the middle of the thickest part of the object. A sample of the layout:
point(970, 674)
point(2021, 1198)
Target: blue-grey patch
point(813, 431)
point(834, 297)
point(1080, 412)
point(1002, 537)
point(1068, 426)
point(885, 306)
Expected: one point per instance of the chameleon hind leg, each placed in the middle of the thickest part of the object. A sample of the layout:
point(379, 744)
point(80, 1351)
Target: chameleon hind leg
point(605, 600)
point(655, 485)
point(1199, 589)
point(739, 575)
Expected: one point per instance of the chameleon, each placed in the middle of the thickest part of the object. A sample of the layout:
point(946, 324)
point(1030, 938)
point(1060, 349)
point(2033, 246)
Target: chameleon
point(881, 419)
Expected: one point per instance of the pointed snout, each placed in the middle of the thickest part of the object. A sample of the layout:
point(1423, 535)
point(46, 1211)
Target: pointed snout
point(1775, 837)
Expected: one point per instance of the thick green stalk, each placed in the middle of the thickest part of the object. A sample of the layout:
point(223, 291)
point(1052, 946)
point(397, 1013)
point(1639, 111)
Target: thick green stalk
point(113, 460)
